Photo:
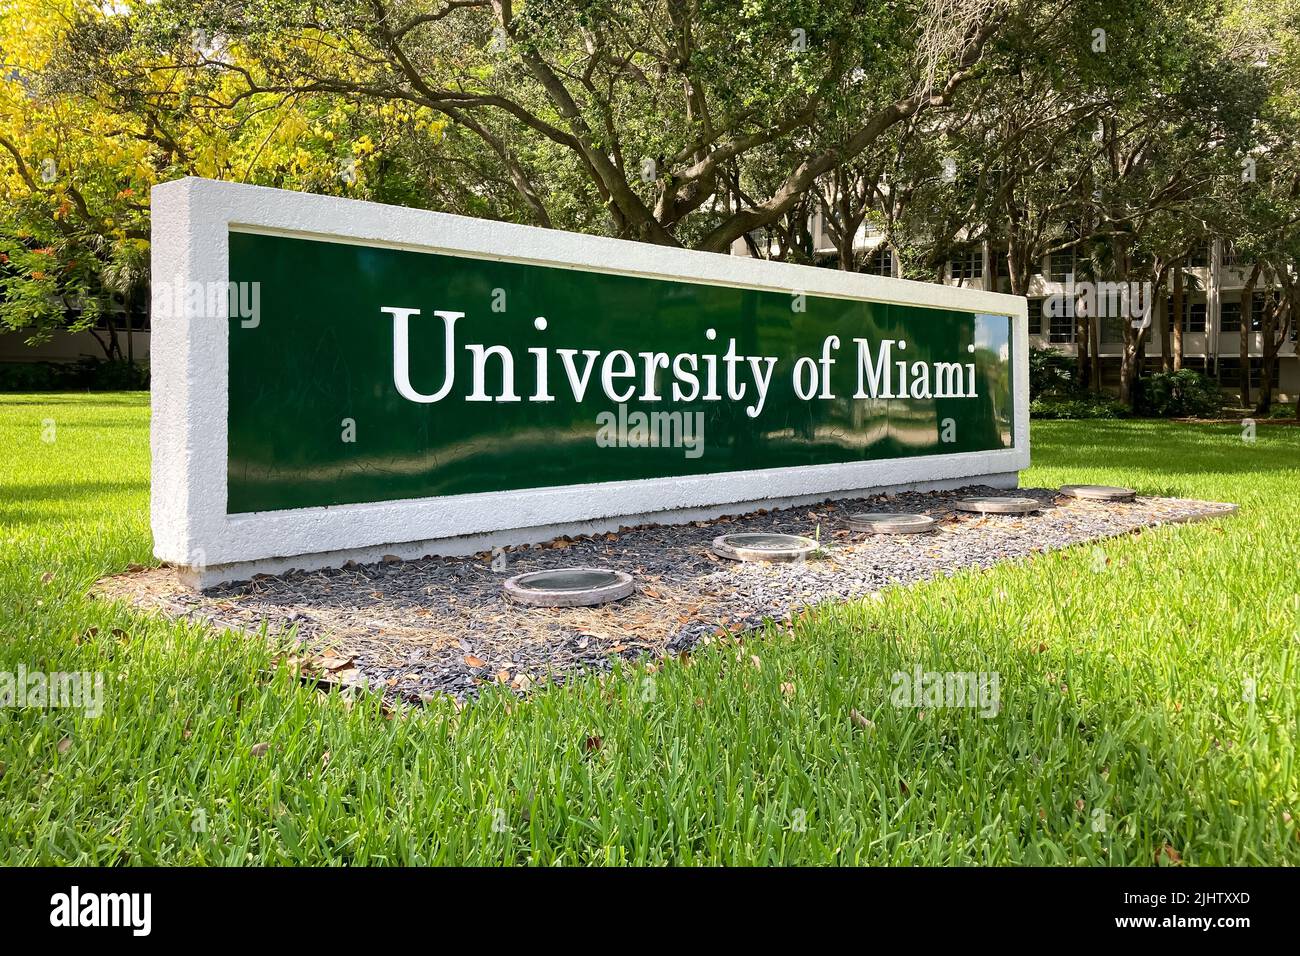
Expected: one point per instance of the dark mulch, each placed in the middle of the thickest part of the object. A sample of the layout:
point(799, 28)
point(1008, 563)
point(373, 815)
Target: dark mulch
point(441, 625)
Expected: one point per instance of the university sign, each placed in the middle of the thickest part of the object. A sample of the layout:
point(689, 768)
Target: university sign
point(340, 380)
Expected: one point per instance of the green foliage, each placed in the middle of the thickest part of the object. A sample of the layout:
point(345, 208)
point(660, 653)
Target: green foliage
point(88, 374)
point(1185, 393)
point(1051, 374)
point(1082, 407)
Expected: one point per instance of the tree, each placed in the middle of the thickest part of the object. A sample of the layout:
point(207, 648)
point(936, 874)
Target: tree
point(77, 162)
point(654, 108)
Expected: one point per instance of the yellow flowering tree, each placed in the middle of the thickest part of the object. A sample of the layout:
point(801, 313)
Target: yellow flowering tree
point(78, 158)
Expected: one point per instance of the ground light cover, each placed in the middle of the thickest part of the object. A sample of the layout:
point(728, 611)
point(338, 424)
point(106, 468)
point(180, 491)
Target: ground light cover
point(1148, 708)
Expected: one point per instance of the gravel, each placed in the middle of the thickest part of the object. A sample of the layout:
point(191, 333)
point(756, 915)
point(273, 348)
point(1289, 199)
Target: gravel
point(417, 629)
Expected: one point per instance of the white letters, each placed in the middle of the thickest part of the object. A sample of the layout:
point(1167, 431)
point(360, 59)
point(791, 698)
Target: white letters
point(645, 376)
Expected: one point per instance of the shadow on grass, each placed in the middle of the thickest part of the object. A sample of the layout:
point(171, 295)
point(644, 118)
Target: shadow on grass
point(37, 503)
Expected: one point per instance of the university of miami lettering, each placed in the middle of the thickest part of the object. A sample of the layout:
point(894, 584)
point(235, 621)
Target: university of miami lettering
point(629, 375)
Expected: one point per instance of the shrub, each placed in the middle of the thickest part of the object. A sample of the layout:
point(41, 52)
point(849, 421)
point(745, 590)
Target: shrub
point(1052, 373)
point(87, 374)
point(1090, 407)
point(1182, 394)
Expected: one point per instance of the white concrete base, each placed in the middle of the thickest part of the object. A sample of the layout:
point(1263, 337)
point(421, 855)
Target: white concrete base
point(212, 575)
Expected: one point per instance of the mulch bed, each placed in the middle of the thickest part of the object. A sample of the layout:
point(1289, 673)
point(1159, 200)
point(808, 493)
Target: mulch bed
point(417, 629)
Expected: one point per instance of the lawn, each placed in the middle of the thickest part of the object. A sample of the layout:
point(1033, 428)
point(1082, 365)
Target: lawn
point(1148, 701)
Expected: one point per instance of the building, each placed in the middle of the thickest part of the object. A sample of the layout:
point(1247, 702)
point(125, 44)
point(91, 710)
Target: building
point(1211, 322)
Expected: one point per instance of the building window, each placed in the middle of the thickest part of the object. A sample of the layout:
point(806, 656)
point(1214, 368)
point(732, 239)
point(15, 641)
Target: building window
point(1061, 328)
point(1035, 316)
point(1230, 372)
point(968, 265)
point(1230, 313)
point(1060, 265)
point(1193, 317)
point(1230, 316)
point(1230, 258)
point(880, 261)
point(1257, 309)
point(1112, 329)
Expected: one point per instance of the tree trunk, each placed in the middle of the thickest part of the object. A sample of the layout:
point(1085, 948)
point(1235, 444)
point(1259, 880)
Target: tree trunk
point(1131, 356)
point(1128, 372)
point(1081, 347)
point(1175, 323)
point(1166, 355)
point(1243, 351)
point(114, 344)
point(130, 329)
point(1272, 345)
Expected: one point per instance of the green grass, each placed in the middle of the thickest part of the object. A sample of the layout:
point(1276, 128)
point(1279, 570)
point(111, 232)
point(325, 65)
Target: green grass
point(1122, 689)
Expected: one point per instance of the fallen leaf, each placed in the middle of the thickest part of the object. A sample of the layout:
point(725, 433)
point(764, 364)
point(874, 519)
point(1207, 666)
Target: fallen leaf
point(65, 745)
point(788, 690)
point(47, 577)
point(594, 743)
point(1079, 805)
point(503, 676)
point(332, 664)
point(756, 661)
point(259, 750)
point(473, 661)
point(1168, 856)
point(861, 720)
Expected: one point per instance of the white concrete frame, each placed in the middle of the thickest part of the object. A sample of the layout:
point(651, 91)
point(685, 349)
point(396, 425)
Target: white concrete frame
point(192, 219)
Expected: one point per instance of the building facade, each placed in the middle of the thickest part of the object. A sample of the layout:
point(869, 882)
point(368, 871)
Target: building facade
point(1212, 324)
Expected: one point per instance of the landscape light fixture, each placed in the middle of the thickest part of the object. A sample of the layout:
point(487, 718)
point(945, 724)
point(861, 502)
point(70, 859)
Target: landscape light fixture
point(569, 587)
point(999, 506)
point(884, 522)
point(764, 546)
point(1098, 492)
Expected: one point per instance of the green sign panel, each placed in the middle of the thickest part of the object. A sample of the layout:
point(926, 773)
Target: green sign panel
point(363, 374)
